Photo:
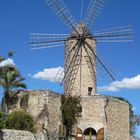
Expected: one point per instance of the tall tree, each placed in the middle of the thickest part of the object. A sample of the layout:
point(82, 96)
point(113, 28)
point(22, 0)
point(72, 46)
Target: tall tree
point(11, 82)
point(70, 107)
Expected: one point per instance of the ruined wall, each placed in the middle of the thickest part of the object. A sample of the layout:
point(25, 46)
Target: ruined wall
point(6, 134)
point(98, 112)
point(44, 106)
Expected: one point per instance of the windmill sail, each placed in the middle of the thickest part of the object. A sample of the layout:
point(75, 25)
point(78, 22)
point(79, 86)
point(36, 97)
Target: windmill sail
point(81, 56)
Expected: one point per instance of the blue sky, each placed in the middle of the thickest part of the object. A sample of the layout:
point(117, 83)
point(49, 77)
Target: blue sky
point(19, 18)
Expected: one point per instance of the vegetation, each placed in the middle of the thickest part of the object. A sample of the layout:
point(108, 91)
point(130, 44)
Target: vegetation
point(70, 107)
point(24, 101)
point(11, 82)
point(20, 120)
point(2, 120)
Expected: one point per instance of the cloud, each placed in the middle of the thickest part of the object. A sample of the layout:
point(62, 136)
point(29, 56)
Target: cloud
point(126, 83)
point(7, 63)
point(50, 74)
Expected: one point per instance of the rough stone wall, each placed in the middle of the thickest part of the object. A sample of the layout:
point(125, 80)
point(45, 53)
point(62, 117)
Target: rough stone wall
point(98, 112)
point(92, 113)
point(81, 73)
point(117, 120)
point(46, 103)
point(105, 112)
point(6, 134)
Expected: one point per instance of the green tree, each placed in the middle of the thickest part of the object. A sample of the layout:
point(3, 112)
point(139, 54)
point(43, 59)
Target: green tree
point(2, 120)
point(11, 53)
point(70, 107)
point(11, 82)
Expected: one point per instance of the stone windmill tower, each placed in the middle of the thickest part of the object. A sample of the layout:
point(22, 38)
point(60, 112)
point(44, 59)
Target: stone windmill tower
point(101, 118)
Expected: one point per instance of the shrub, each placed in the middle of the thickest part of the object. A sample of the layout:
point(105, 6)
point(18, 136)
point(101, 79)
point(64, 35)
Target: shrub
point(2, 120)
point(24, 101)
point(20, 120)
point(70, 107)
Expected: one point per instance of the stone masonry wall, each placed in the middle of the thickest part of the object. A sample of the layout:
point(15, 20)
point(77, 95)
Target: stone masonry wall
point(80, 76)
point(92, 113)
point(105, 112)
point(98, 112)
point(6, 134)
point(46, 103)
point(117, 120)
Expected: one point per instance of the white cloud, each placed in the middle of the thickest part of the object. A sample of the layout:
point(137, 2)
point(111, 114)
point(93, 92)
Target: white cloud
point(50, 74)
point(126, 83)
point(7, 63)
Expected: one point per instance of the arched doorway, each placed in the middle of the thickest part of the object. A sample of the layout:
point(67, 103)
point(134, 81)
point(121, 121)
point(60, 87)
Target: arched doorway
point(100, 134)
point(89, 134)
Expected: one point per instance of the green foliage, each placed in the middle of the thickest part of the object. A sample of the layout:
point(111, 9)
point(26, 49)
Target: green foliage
point(24, 101)
point(70, 107)
point(11, 53)
point(2, 120)
point(2, 58)
point(131, 115)
point(11, 81)
point(20, 120)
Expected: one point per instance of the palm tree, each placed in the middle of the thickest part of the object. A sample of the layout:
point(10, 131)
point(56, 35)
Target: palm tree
point(11, 82)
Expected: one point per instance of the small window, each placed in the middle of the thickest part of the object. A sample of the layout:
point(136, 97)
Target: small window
point(89, 90)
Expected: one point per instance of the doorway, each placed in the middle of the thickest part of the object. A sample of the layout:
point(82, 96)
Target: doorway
point(89, 134)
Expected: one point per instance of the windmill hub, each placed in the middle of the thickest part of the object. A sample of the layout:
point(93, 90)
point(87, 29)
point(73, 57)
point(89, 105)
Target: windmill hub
point(82, 30)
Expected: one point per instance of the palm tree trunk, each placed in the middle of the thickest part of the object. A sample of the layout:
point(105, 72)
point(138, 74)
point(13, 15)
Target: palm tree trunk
point(5, 105)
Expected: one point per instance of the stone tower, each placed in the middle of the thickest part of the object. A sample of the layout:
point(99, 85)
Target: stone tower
point(102, 117)
point(81, 79)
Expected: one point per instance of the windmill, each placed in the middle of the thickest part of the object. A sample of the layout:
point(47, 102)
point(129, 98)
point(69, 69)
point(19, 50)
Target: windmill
point(81, 56)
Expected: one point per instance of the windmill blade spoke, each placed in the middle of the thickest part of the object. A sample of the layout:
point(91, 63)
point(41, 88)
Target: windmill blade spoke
point(124, 37)
point(101, 63)
point(35, 37)
point(72, 61)
point(117, 34)
point(40, 41)
point(91, 64)
point(46, 47)
point(115, 40)
point(60, 75)
point(69, 82)
point(69, 52)
point(41, 45)
point(93, 10)
point(108, 65)
point(118, 28)
point(63, 13)
point(102, 76)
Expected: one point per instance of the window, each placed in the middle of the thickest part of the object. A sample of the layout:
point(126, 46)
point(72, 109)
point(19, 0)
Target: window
point(89, 90)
